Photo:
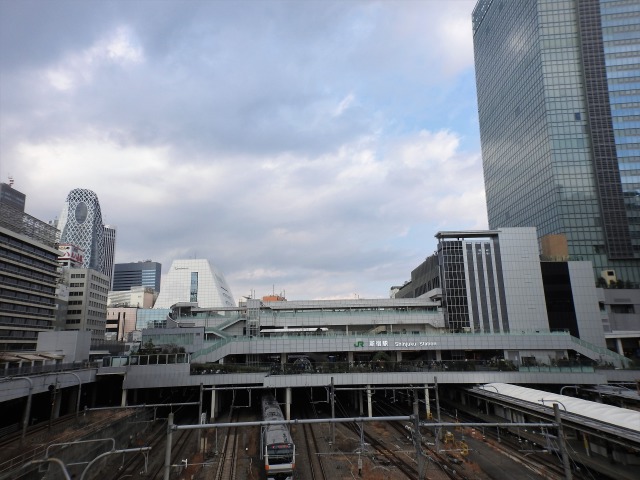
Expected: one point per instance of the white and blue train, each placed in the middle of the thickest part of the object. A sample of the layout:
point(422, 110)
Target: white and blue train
point(277, 447)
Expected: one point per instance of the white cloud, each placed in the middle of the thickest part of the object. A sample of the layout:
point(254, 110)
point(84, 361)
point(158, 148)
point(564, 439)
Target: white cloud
point(428, 149)
point(295, 145)
point(79, 68)
point(344, 104)
point(120, 47)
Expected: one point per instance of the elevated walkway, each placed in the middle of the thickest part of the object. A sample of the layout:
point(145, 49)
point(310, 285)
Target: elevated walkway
point(179, 375)
point(595, 352)
point(219, 329)
point(391, 343)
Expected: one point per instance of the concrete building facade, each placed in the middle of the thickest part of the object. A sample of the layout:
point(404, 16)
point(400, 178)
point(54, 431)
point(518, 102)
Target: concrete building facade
point(121, 321)
point(494, 282)
point(28, 274)
point(137, 297)
point(87, 306)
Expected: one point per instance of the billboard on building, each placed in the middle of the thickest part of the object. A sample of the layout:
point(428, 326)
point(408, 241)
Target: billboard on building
point(71, 255)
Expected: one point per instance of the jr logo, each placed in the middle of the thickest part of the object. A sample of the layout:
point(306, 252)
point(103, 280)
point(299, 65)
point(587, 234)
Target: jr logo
point(359, 344)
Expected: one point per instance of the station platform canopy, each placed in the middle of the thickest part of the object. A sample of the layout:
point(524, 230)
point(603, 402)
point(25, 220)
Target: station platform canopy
point(597, 412)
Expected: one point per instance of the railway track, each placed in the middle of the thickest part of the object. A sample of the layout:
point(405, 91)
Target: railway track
point(315, 463)
point(34, 432)
point(39, 437)
point(528, 453)
point(228, 458)
point(446, 464)
point(523, 449)
point(151, 465)
point(316, 467)
point(382, 450)
point(138, 465)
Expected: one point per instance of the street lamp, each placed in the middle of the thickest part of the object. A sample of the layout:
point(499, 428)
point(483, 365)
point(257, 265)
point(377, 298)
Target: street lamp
point(27, 409)
point(79, 389)
point(551, 400)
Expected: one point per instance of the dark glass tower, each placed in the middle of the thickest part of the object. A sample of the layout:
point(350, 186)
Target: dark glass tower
point(137, 274)
point(559, 106)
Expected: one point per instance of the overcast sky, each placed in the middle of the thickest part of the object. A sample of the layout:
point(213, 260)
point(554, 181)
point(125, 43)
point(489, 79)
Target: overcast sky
point(306, 147)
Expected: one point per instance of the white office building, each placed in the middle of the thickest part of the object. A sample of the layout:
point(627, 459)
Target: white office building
point(195, 281)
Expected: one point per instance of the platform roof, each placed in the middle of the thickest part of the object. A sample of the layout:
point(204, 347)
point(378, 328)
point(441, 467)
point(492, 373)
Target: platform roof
point(600, 412)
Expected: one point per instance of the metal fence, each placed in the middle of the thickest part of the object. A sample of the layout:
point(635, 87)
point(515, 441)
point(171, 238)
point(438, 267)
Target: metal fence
point(51, 368)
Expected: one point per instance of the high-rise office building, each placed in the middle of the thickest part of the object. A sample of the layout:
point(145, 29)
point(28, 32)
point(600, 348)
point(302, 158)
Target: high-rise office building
point(109, 252)
point(558, 87)
point(81, 225)
point(29, 266)
point(87, 305)
point(137, 274)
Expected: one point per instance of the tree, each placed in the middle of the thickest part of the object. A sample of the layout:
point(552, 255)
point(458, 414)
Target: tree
point(147, 348)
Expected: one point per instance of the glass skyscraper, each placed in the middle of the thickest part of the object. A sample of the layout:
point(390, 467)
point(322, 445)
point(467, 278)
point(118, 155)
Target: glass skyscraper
point(110, 233)
point(137, 274)
point(558, 86)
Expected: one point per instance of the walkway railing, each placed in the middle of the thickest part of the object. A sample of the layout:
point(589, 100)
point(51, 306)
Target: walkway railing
point(214, 346)
point(150, 359)
point(305, 366)
point(51, 368)
point(620, 359)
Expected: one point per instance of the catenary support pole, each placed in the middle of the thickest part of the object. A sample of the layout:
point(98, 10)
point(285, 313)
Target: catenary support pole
point(333, 412)
point(417, 438)
point(426, 401)
point(562, 443)
point(287, 399)
point(200, 418)
point(438, 430)
point(214, 405)
point(167, 454)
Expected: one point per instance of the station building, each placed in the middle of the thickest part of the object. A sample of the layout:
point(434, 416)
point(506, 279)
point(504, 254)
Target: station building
point(493, 281)
point(484, 318)
point(484, 296)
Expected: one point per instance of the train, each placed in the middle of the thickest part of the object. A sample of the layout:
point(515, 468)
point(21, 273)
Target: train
point(277, 448)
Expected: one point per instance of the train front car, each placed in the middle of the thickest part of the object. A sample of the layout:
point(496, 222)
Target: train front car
point(277, 449)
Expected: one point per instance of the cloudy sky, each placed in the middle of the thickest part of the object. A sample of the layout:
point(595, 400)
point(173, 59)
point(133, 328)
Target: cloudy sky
point(306, 147)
